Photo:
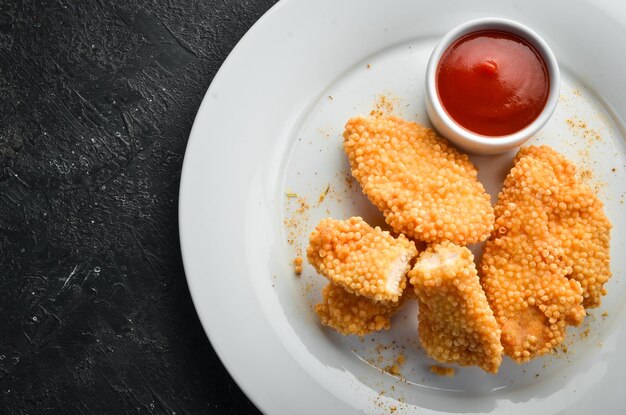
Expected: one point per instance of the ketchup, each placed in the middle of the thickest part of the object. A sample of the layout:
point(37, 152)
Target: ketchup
point(492, 83)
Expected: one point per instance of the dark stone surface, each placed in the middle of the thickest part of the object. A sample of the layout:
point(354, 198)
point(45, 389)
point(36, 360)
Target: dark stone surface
point(97, 99)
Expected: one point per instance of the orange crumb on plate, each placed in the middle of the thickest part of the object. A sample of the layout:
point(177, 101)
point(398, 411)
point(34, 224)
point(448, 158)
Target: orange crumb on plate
point(442, 371)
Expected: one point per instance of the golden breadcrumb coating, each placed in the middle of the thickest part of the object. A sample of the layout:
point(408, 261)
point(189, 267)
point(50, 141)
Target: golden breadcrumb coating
point(363, 260)
point(577, 219)
point(426, 189)
point(524, 267)
point(353, 314)
point(456, 324)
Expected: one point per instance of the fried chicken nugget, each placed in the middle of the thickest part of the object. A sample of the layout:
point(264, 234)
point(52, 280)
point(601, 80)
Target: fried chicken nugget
point(524, 269)
point(425, 188)
point(353, 314)
point(456, 324)
point(577, 219)
point(363, 260)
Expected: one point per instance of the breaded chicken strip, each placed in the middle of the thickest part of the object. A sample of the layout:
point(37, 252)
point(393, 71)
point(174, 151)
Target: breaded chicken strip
point(577, 219)
point(456, 324)
point(426, 189)
point(363, 260)
point(524, 267)
point(353, 314)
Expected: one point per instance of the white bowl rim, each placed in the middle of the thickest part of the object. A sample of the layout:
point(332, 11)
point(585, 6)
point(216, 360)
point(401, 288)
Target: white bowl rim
point(506, 25)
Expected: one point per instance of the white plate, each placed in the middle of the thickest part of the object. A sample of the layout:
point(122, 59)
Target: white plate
point(271, 122)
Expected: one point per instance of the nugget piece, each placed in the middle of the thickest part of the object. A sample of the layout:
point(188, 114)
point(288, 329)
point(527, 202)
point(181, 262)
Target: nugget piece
point(426, 189)
point(456, 324)
point(363, 260)
point(577, 219)
point(353, 314)
point(524, 269)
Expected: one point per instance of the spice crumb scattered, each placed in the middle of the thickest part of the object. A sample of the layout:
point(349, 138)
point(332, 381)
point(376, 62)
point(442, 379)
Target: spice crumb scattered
point(585, 334)
point(350, 180)
point(297, 262)
point(304, 206)
point(394, 370)
point(400, 359)
point(442, 371)
point(323, 194)
point(582, 129)
point(385, 104)
point(296, 224)
point(605, 314)
point(586, 175)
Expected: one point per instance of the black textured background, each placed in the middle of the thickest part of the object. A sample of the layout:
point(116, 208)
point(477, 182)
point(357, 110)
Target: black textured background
point(97, 99)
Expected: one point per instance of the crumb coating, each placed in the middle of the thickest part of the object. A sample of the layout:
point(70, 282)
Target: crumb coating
point(349, 313)
point(524, 269)
point(361, 259)
point(456, 324)
point(425, 188)
point(577, 219)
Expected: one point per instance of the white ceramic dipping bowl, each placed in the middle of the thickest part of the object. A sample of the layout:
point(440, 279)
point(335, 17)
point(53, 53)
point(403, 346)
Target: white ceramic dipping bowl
point(468, 140)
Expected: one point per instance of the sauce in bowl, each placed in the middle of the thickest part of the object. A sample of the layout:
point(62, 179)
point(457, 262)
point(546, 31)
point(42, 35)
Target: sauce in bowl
point(493, 83)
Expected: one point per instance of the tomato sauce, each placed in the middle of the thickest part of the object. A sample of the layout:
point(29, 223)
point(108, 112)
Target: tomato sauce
point(492, 83)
